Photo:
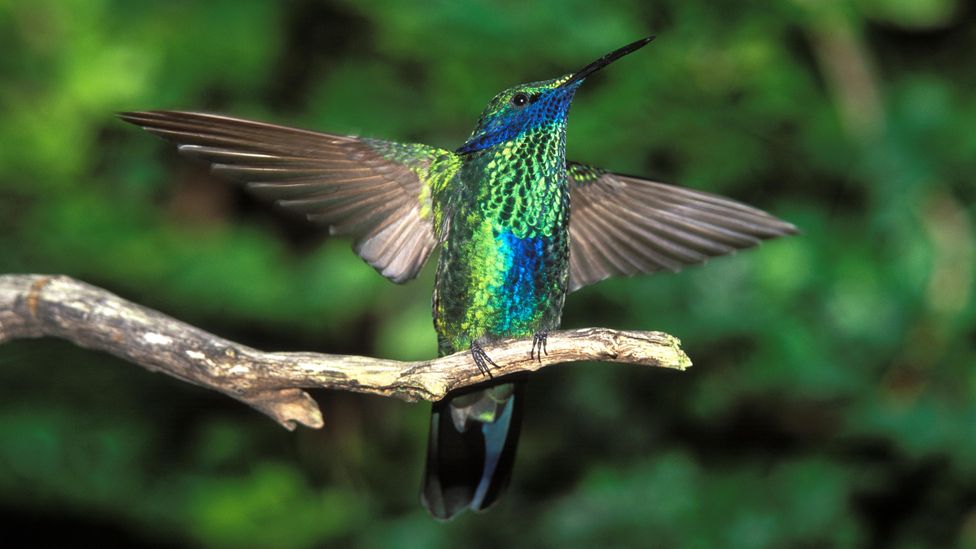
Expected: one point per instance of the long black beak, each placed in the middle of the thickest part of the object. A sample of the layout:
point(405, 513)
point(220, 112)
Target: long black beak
point(606, 60)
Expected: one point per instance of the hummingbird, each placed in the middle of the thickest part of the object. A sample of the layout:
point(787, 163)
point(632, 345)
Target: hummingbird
point(518, 228)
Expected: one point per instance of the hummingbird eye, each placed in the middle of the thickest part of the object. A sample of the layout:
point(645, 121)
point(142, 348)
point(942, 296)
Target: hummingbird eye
point(520, 99)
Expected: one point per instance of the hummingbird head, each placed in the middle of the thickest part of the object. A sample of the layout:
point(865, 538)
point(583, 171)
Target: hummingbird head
point(536, 106)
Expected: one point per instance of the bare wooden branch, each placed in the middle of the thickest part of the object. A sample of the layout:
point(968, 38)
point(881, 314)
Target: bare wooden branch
point(34, 306)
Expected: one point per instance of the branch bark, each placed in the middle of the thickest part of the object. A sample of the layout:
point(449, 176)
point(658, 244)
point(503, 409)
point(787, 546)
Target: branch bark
point(33, 306)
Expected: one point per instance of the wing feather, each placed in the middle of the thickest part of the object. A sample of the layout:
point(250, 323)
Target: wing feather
point(621, 225)
point(369, 189)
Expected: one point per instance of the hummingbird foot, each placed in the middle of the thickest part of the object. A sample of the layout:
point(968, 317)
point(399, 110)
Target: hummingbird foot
point(539, 345)
point(481, 359)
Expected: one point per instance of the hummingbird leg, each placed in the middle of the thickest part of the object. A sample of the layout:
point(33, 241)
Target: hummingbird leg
point(539, 342)
point(481, 359)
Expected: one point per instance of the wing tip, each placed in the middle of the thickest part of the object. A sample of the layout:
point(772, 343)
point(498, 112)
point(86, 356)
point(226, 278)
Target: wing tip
point(128, 116)
point(779, 227)
point(133, 117)
point(150, 119)
point(790, 229)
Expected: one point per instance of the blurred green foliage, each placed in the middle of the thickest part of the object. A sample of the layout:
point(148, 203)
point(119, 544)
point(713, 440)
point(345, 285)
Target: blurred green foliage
point(833, 401)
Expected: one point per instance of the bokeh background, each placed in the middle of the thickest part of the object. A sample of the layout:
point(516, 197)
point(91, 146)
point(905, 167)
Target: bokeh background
point(832, 398)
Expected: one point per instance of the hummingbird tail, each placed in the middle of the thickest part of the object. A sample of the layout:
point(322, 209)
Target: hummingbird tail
point(471, 449)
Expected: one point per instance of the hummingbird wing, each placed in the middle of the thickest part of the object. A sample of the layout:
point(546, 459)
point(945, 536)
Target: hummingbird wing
point(376, 191)
point(622, 225)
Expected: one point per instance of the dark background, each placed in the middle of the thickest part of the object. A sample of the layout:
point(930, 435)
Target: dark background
point(832, 398)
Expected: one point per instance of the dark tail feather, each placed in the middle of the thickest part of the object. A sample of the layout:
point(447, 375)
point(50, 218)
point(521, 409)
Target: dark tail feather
point(471, 467)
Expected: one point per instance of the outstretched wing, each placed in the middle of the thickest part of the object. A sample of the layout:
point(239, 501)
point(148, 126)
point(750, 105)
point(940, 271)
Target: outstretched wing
point(621, 225)
point(373, 190)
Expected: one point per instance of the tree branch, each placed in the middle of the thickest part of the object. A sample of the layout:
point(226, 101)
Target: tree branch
point(34, 306)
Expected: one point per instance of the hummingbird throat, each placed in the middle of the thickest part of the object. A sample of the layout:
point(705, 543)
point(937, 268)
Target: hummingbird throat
point(526, 187)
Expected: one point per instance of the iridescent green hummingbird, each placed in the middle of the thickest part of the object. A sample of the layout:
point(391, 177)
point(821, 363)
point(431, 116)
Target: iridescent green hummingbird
point(518, 228)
